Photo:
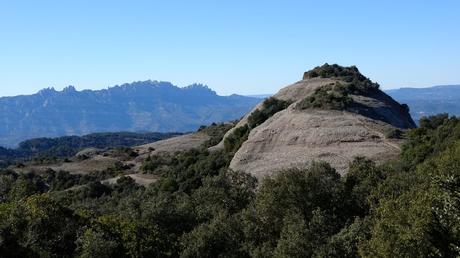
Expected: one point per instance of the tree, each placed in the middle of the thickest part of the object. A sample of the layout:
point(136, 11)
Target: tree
point(362, 179)
point(221, 237)
point(40, 226)
point(423, 220)
point(313, 194)
point(94, 243)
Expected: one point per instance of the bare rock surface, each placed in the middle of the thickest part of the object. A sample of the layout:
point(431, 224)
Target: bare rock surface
point(96, 163)
point(89, 152)
point(179, 143)
point(293, 92)
point(140, 179)
point(295, 138)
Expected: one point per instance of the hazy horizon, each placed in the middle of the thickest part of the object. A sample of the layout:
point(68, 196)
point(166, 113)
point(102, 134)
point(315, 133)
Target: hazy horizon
point(257, 95)
point(239, 47)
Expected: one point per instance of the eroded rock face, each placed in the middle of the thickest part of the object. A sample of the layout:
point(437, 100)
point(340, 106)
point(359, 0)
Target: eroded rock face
point(294, 92)
point(295, 138)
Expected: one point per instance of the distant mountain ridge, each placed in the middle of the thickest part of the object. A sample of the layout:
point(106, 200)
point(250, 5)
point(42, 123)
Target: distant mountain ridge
point(139, 106)
point(429, 101)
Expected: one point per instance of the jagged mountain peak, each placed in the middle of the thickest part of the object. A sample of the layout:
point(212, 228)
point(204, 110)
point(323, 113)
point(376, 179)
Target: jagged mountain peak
point(134, 86)
point(69, 89)
point(139, 106)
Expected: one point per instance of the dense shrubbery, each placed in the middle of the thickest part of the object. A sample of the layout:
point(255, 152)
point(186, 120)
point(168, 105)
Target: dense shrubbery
point(337, 96)
point(270, 107)
point(333, 96)
point(328, 71)
point(216, 132)
point(434, 135)
point(234, 141)
point(348, 74)
point(199, 208)
point(185, 171)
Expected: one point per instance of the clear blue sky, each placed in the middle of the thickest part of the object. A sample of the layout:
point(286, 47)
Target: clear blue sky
point(245, 47)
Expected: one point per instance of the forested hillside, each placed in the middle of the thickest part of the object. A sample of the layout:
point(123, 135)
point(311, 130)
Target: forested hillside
point(67, 146)
point(200, 208)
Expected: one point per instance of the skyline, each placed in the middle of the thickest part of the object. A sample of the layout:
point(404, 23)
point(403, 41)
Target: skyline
point(237, 47)
point(257, 95)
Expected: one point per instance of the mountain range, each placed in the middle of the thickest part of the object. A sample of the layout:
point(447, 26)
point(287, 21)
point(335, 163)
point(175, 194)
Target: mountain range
point(137, 107)
point(429, 101)
point(160, 107)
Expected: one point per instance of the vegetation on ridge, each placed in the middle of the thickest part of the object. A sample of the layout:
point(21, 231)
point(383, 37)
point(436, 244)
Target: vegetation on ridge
point(334, 96)
point(347, 74)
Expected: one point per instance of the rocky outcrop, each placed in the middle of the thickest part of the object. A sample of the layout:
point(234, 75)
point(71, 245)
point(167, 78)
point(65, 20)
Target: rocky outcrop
point(296, 137)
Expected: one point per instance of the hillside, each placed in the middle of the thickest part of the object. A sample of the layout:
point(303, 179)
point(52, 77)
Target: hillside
point(177, 198)
point(334, 115)
point(429, 101)
point(140, 106)
point(68, 146)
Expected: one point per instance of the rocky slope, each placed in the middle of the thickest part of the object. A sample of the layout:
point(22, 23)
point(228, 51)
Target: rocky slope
point(141, 106)
point(369, 124)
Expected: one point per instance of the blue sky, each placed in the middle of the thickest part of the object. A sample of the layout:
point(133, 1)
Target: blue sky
point(245, 47)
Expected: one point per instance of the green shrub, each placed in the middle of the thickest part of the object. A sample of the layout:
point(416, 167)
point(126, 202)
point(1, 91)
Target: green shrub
point(234, 141)
point(220, 237)
point(328, 71)
point(435, 134)
point(270, 107)
point(394, 133)
point(356, 82)
point(216, 133)
point(330, 97)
